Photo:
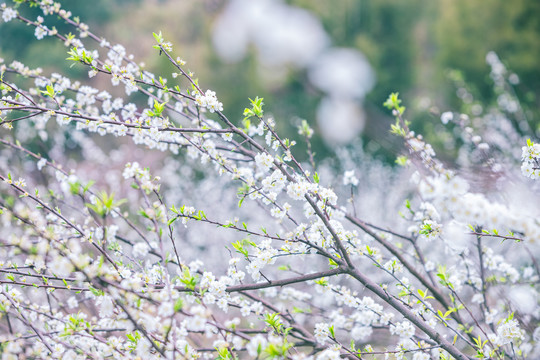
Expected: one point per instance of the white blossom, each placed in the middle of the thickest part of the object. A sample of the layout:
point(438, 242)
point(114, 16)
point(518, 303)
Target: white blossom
point(9, 14)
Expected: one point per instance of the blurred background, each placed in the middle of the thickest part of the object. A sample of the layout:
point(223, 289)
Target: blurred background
point(330, 63)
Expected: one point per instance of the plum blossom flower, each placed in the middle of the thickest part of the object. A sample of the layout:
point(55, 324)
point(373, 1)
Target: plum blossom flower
point(264, 162)
point(404, 329)
point(9, 14)
point(509, 331)
point(350, 178)
point(297, 190)
point(322, 333)
point(208, 101)
point(140, 250)
point(40, 32)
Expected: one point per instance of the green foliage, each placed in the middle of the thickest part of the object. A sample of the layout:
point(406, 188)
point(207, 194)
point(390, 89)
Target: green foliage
point(158, 38)
point(470, 29)
point(305, 130)
point(49, 92)
point(394, 103)
point(241, 247)
point(224, 354)
point(242, 192)
point(76, 324)
point(443, 276)
point(133, 338)
point(104, 204)
point(189, 280)
point(84, 57)
point(402, 160)
point(424, 294)
point(158, 109)
point(255, 110)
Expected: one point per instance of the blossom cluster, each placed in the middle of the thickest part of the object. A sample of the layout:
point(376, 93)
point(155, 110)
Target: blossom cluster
point(531, 160)
point(208, 100)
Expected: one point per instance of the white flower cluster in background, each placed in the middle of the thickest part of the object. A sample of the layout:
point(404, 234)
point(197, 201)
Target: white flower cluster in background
point(530, 156)
point(96, 269)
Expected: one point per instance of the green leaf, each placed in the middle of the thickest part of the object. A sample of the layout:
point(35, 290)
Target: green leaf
point(178, 305)
point(158, 109)
point(158, 37)
point(239, 247)
point(256, 110)
point(402, 160)
point(393, 101)
point(104, 204)
point(95, 291)
point(49, 92)
point(332, 331)
point(408, 204)
point(87, 186)
point(74, 55)
point(240, 202)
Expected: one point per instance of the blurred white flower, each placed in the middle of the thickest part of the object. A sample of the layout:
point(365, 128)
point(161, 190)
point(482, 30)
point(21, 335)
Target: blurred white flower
point(342, 72)
point(340, 120)
point(140, 250)
point(350, 178)
point(282, 34)
point(446, 117)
